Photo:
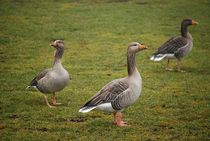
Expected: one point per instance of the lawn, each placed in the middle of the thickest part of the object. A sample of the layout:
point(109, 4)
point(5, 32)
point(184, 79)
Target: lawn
point(172, 105)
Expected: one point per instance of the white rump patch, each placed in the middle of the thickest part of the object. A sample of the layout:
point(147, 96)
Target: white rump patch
point(159, 57)
point(105, 107)
point(169, 56)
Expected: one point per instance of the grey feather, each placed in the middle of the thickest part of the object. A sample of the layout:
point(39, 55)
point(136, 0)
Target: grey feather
point(119, 93)
point(53, 79)
point(172, 45)
point(108, 93)
point(176, 47)
point(42, 74)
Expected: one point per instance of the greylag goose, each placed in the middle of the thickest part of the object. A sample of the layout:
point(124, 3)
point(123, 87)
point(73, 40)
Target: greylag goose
point(54, 79)
point(119, 93)
point(176, 47)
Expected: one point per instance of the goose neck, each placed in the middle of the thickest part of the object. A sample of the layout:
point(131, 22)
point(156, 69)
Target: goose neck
point(131, 64)
point(184, 30)
point(58, 56)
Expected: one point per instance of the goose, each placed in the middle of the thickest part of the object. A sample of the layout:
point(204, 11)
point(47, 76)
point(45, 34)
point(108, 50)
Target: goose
point(119, 93)
point(176, 47)
point(54, 79)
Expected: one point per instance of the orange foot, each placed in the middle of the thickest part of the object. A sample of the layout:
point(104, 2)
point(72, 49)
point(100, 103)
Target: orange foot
point(121, 123)
point(54, 102)
point(169, 69)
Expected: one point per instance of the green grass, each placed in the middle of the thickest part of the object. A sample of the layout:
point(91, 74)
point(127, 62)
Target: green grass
point(172, 106)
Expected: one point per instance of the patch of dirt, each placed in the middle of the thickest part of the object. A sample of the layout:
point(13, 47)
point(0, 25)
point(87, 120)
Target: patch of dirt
point(42, 129)
point(2, 126)
point(14, 116)
point(73, 119)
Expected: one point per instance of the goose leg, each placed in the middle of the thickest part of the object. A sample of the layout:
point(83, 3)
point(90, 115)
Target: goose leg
point(178, 66)
point(45, 98)
point(115, 118)
point(119, 122)
point(54, 100)
point(167, 66)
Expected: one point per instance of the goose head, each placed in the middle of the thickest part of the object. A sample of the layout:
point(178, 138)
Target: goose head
point(187, 22)
point(136, 47)
point(184, 25)
point(58, 44)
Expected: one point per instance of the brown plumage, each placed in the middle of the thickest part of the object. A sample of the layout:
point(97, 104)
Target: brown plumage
point(119, 93)
point(176, 47)
point(54, 79)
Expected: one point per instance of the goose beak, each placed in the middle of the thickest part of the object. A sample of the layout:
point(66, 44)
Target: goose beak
point(142, 47)
point(53, 45)
point(194, 22)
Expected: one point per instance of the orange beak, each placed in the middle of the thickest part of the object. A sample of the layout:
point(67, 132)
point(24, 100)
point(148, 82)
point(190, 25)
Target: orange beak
point(52, 44)
point(142, 47)
point(194, 22)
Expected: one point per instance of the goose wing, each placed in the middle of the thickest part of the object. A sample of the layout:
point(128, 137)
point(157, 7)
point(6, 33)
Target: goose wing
point(38, 77)
point(172, 45)
point(108, 93)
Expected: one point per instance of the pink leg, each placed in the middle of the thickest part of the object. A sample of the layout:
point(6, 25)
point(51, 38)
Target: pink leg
point(45, 98)
point(167, 66)
point(53, 99)
point(54, 102)
point(118, 119)
point(115, 118)
point(178, 66)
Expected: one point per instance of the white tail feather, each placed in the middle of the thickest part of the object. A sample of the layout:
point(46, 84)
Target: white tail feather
point(86, 109)
point(28, 87)
point(152, 58)
point(158, 57)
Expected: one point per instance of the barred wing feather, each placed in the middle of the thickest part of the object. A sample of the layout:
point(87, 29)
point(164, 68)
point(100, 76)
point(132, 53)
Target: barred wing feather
point(107, 94)
point(172, 45)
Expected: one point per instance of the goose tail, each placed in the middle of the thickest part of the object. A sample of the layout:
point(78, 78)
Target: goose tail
point(86, 109)
point(28, 87)
point(157, 57)
point(31, 87)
